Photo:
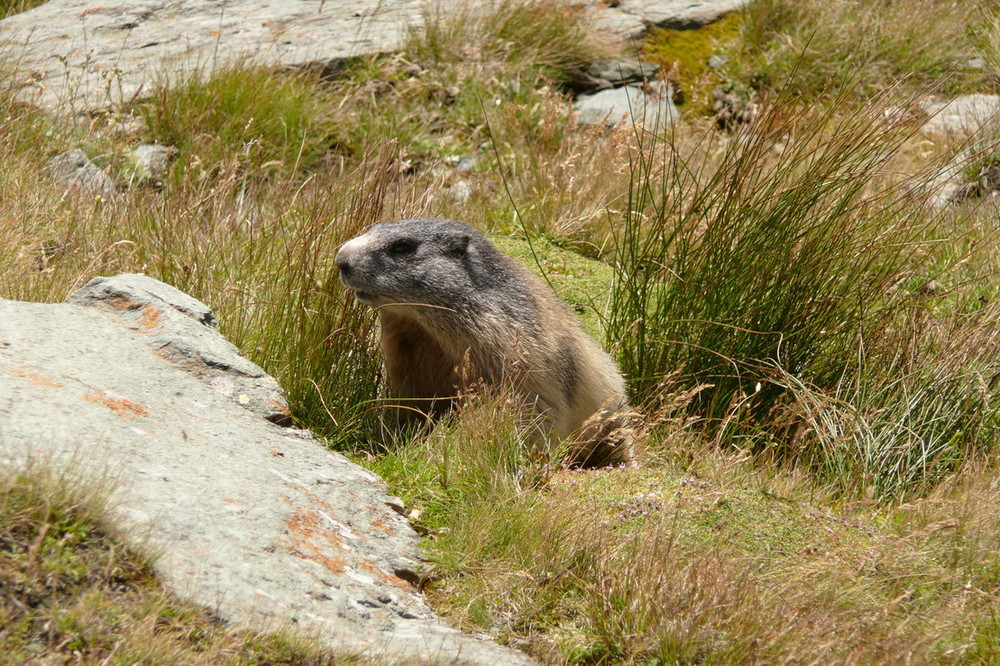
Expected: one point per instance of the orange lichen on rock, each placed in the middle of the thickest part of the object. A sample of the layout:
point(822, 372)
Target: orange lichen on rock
point(36, 378)
point(120, 406)
point(150, 317)
point(304, 526)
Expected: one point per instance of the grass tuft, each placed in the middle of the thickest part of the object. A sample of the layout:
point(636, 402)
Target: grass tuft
point(252, 117)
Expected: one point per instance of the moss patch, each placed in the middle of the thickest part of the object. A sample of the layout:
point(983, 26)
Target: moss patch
point(685, 54)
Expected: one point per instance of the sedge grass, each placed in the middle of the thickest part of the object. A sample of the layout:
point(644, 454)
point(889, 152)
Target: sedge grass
point(793, 260)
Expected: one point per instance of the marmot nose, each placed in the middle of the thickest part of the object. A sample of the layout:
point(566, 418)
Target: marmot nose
point(343, 260)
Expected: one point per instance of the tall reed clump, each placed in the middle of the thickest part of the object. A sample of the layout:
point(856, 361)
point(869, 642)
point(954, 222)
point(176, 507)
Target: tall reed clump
point(793, 267)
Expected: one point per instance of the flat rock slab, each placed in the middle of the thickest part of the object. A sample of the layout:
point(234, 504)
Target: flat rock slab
point(130, 383)
point(80, 55)
point(680, 14)
point(654, 110)
point(961, 117)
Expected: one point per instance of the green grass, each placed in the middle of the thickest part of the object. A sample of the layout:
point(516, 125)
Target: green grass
point(11, 7)
point(715, 561)
point(684, 54)
point(250, 118)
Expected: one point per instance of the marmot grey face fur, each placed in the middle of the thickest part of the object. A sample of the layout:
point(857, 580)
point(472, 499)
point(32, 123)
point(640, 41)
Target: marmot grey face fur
point(455, 310)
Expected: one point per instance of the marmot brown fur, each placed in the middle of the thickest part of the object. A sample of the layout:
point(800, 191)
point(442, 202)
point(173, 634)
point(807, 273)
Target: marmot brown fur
point(455, 310)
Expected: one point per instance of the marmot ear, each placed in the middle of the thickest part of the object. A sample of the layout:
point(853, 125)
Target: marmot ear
point(459, 245)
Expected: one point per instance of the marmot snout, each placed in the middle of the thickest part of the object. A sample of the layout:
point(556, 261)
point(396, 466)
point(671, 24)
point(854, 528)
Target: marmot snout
point(454, 309)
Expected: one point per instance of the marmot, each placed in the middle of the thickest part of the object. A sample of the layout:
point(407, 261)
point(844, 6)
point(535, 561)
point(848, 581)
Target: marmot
point(455, 310)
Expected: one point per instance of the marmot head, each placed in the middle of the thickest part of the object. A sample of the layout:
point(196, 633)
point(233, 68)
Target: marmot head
point(421, 261)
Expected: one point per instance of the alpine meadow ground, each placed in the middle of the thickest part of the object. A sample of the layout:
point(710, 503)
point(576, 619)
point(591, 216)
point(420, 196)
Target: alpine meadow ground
point(814, 347)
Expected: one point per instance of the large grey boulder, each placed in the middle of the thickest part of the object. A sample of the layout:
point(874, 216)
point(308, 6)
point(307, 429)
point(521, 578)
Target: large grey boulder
point(129, 382)
point(83, 55)
point(78, 56)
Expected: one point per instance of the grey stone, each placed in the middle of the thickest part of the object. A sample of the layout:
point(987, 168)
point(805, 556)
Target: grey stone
point(652, 109)
point(259, 523)
point(466, 164)
point(613, 22)
point(461, 191)
point(972, 174)
point(680, 14)
point(182, 330)
point(961, 117)
point(618, 71)
point(943, 186)
point(717, 61)
point(74, 172)
point(150, 161)
point(733, 105)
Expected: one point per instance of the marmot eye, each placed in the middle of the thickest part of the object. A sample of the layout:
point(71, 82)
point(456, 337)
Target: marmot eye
point(402, 247)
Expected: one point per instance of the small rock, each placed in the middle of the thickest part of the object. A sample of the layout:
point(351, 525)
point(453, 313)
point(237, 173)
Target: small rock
point(972, 174)
point(183, 331)
point(733, 105)
point(461, 191)
point(943, 186)
point(466, 164)
point(717, 61)
point(127, 126)
point(619, 71)
point(961, 117)
point(150, 162)
point(610, 73)
point(73, 171)
point(986, 183)
point(654, 110)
